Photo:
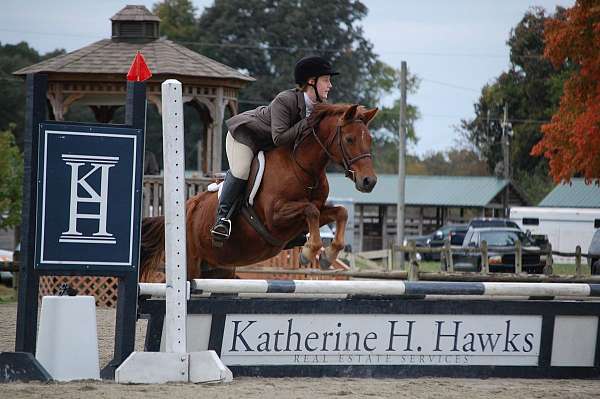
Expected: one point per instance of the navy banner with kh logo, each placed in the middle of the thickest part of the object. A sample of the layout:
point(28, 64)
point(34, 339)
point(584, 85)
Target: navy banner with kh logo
point(89, 197)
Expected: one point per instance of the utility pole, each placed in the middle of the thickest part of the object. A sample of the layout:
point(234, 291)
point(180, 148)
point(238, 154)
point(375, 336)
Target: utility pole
point(506, 160)
point(401, 163)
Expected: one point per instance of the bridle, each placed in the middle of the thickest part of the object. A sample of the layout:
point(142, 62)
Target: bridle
point(346, 161)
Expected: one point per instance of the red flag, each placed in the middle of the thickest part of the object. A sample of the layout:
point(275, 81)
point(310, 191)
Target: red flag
point(139, 71)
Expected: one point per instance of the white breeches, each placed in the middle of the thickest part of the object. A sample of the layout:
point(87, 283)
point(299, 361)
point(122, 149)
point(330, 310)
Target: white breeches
point(239, 156)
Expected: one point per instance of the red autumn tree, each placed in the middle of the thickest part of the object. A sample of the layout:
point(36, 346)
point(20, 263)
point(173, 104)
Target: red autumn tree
point(571, 141)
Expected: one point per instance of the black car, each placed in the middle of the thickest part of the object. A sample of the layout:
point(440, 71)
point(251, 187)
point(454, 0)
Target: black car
point(455, 232)
point(594, 253)
point(420, 241)
point(499, 260)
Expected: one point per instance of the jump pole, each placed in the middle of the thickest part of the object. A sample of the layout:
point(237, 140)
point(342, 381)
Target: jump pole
point(175, 364)
point(380, 288)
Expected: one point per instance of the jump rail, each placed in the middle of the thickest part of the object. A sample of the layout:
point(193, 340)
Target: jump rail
point(381, 288)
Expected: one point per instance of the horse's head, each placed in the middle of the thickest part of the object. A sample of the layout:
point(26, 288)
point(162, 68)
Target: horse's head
point(348, 142)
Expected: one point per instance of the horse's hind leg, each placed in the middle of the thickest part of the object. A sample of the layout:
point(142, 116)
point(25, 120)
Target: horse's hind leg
point(339, 214)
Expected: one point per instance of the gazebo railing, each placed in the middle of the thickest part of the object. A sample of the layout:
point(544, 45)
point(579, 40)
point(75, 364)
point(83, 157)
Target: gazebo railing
point(154, 192)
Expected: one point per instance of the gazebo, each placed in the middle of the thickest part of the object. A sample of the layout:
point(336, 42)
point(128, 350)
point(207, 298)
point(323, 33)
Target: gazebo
point(94, 76)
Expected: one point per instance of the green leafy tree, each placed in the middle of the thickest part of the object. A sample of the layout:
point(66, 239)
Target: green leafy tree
point(11, 177)
point(265, 37)
point(178, 20)
point(12, 89)
point(531, 88)
point(453, 162)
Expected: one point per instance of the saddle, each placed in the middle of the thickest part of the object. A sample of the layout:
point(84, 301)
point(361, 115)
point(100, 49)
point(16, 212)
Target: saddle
point(245, 204)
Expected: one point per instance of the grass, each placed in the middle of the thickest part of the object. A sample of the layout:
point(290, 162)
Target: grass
point(7, 295)
point(558, 268)
point(431, 266)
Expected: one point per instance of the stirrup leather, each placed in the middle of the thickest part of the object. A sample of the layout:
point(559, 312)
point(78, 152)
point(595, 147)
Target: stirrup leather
point(219, 235)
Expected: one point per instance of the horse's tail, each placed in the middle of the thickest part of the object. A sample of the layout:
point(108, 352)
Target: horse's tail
point(152, 254)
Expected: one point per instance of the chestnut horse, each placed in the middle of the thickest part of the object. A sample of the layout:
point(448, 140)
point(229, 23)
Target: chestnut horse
point(291, 200)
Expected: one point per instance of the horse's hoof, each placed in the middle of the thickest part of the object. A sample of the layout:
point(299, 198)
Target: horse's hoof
point(304, 261)
point(324, 263)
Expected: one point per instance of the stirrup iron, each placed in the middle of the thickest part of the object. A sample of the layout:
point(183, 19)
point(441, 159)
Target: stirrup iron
point(219, 235)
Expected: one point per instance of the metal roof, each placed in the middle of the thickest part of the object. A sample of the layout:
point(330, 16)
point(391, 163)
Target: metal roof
point(576, 194)
point(114, 57)
point(456, 191)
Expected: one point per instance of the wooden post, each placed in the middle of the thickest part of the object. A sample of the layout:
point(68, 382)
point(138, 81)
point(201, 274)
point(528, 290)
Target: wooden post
point(549, 262)
point(444, 256)
point(413, 267)
point(485, 262)
point(384, 230)
point(390, 257)
point(361, 227)
point(518, 257)
point(450, 260)
point(578, 261)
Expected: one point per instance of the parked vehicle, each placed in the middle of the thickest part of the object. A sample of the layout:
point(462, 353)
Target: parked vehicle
point(500, 260)
point(420, 242)
point(594, 251)
point(492, 222)
point(456, 233)
point(6, 277)
point(565, 227)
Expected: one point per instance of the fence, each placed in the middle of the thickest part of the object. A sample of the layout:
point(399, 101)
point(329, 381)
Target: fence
point(154, 192)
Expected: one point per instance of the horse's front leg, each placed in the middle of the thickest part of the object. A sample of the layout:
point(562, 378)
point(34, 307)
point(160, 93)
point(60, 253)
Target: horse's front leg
point(339, 214)
point(292, 211)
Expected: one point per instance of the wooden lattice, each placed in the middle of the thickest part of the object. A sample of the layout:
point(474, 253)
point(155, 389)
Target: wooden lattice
point(104, 289)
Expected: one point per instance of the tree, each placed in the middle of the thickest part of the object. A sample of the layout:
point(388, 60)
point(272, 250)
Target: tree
point(531, 89)
point(453, 162)
point(12, 89)
point(571, 141)
point(266, 37)
point(177, 20)
point(11, 177)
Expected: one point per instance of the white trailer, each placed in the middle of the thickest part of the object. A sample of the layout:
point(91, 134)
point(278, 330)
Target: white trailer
point(565, 227)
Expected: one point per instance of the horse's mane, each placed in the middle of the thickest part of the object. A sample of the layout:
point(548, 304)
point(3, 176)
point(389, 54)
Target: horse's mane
point(323, 110)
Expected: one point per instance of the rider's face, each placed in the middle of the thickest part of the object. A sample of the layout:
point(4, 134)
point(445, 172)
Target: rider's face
point(323, 85)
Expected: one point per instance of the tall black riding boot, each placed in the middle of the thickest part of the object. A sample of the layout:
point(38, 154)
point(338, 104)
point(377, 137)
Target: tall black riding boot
point(232, 188)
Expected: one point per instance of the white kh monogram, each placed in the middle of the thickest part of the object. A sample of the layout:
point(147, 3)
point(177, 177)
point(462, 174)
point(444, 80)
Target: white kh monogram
point(98, 164)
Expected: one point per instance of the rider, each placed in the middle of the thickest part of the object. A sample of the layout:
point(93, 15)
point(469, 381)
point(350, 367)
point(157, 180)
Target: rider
point(266, 127)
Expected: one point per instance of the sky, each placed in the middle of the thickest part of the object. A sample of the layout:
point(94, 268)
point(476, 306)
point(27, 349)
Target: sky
point(454, 47)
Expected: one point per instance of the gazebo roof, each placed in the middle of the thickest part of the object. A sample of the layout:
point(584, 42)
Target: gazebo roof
point(134, 13)
point(114, 57)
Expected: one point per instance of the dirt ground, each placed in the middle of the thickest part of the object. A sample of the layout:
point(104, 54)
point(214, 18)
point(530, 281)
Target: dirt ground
point(278, 388)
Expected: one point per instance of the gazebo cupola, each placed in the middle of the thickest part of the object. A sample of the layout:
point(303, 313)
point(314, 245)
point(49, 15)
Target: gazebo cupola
point(135, 23)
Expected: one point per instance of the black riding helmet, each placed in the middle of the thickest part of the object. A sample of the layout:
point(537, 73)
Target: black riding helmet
point(312, 67)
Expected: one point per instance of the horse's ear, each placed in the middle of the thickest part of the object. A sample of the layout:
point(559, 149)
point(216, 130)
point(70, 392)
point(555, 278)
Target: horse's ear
point(368, 115)
point(350, 113)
